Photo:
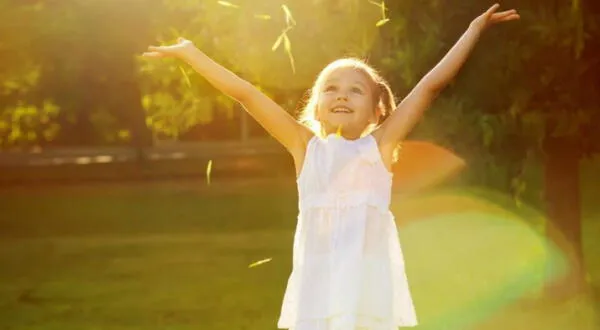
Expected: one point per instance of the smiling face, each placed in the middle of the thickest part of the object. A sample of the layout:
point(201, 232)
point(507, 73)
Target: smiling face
point(347, 100)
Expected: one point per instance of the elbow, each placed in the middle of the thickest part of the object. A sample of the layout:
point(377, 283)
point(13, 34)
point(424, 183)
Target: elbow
point(432, 87)
point(431, 90)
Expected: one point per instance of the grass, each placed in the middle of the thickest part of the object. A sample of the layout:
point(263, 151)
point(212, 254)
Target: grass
point(175, 256)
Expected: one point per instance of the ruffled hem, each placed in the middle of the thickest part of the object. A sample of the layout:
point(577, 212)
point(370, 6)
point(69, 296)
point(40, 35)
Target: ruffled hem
point(349, 322)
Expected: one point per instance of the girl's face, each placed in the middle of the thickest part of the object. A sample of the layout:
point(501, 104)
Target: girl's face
point(346, 103)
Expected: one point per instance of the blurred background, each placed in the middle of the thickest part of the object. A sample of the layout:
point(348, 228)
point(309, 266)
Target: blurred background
point(135, 195)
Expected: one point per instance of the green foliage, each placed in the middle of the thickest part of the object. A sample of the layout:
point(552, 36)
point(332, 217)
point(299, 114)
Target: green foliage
point(26, 124)
point(525, 81)
point(175, 99)
point(65, 54)
point(507, 98)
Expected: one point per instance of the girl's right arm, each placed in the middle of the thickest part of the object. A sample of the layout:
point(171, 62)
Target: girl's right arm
point(278, 122)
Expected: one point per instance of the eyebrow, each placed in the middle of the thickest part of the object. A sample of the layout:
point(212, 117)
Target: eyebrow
point(357, 82)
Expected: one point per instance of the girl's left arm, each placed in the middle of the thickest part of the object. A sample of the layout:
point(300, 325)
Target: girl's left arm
point(410, 110)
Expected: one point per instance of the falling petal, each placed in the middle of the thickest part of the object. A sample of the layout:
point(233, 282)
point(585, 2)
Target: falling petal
point(208, 170)
point(339, 131)
point(260, 262)
point(186, 77)
point(381, 22)
point(277, 42)
point(289, 19)
point(262, 16)
point(228, 4)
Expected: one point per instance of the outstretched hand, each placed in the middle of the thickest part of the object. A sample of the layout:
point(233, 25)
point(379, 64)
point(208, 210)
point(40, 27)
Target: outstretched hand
point(491, 17)
point(177, 50)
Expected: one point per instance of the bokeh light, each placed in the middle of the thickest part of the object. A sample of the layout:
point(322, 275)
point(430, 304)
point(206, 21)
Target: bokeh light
point(469, 258)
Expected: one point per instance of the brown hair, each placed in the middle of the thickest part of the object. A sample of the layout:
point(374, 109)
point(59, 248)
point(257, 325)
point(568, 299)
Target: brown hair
point(384, 98)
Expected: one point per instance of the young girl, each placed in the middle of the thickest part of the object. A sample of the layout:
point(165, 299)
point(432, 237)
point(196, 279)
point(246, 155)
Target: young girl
point(348, 269)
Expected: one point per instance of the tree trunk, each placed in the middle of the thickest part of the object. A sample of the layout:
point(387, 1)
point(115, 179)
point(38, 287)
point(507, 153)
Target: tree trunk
point(563, 207)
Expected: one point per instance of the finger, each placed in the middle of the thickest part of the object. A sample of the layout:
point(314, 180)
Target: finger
point(153, 54)
point(164, 49)
point(511, 18)
point(504, 13)
point(507, 18)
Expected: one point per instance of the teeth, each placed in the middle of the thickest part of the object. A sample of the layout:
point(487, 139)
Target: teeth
point(344, 110)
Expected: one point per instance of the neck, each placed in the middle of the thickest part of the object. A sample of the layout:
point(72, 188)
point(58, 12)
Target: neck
point(340, 131)
point(345, 135)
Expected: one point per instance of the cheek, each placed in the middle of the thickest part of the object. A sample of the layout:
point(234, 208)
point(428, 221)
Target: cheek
point(323, 105)
point(319, 110)
point(366, 103)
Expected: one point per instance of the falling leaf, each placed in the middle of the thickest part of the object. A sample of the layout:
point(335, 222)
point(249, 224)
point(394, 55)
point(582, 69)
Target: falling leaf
point(339, 131)
point(383, 10)
point(277, 42)
point(187, 78)
point(260, 262)
point(228, 4)
point(288, 49)
point(376, 3)
point(262, 16)
point(292, 63)
point(208, 170)
point(381, 22)
point(286, 43)
point(288, 16)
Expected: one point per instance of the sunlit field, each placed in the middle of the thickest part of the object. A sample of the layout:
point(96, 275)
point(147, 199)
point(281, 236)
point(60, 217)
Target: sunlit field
point(125, 198)
point(177, 255)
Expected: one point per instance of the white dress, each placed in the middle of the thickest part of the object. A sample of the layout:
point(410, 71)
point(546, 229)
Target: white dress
point(348, 268)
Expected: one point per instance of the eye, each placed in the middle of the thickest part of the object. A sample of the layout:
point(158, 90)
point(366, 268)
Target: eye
point(357, 90)
point(330, 88)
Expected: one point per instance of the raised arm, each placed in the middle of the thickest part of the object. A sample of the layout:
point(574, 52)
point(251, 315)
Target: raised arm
point(410, 110)
point(280, 124)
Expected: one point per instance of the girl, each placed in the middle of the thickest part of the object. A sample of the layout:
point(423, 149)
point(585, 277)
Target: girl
point(348, 269)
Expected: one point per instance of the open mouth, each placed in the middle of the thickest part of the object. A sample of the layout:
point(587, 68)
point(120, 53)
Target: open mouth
point(341, 109)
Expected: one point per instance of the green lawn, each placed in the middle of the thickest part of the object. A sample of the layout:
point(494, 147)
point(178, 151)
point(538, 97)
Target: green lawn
point(176, 256)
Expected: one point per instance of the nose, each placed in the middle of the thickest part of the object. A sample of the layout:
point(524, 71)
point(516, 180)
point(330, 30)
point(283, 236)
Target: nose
point(342, 97)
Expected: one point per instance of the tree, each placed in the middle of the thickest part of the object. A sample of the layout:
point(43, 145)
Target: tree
point(72, 78)
point(530, 91)
point(24, 119)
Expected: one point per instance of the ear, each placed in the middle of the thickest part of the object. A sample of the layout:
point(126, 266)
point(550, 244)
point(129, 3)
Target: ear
point(377, 116)
point(317, 114)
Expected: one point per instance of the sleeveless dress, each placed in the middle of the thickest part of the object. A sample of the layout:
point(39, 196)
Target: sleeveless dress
point(348, 268)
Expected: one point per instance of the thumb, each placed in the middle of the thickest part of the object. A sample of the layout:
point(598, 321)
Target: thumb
point(155, 48)
point(492, 10)
point(162, 49)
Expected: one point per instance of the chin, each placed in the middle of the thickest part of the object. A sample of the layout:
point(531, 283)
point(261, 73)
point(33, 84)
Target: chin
point(334, 126)
point(336, 121)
